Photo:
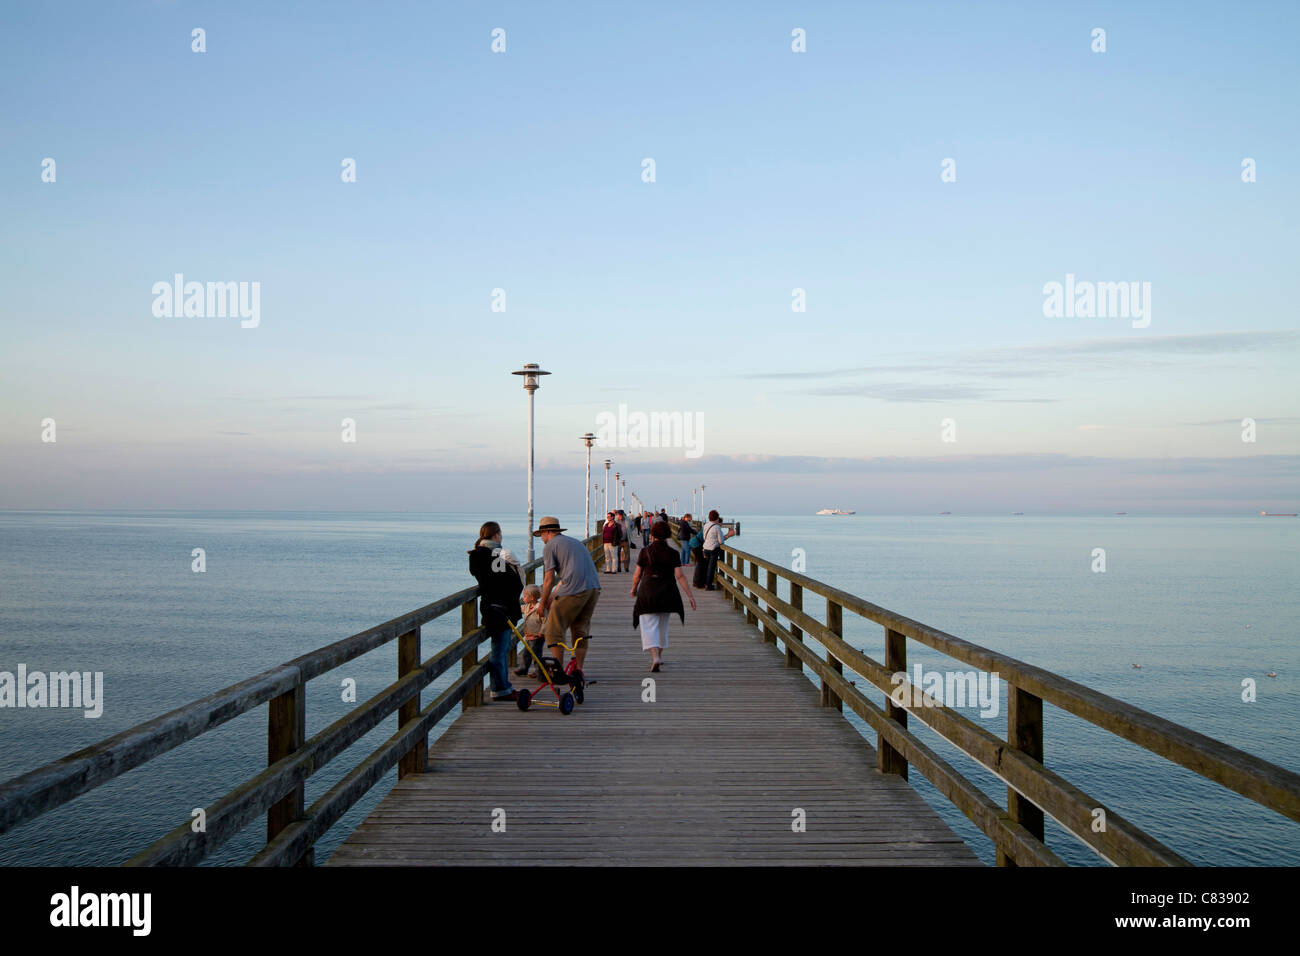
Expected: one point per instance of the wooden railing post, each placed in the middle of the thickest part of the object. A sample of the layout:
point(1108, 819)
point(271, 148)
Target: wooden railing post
point(286, 729)
point(835, 624)
point(468, 621)
point(796, 633)
point(737, 564)
point(750, 616)
point(769, 637)
point(408, 660)
point(889, 760)
point(1024, 733)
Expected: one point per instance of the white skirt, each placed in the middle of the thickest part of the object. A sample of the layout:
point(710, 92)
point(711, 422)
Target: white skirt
point(654, 630)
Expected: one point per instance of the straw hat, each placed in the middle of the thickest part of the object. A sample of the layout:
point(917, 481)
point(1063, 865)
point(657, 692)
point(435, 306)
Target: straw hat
point(549, 523)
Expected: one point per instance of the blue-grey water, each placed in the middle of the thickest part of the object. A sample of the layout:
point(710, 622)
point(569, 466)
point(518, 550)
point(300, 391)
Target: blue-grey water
point(1201, 603)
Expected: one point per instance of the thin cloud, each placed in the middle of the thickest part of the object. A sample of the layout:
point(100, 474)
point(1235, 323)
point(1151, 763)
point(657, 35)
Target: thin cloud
point(919, 393)
point(1037, 361)
point(1282, 420)
point(1035, 462)
point(299, 398)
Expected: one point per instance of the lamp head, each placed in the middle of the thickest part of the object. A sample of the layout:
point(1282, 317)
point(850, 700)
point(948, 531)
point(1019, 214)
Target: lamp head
point(530, 372)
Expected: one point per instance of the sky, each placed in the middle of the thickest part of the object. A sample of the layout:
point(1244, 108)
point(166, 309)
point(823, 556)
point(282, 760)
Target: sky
point(914, 180)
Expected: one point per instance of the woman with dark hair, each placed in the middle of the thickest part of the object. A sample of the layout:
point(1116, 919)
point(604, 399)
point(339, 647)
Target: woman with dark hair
point(655, 587)
point(500, 582)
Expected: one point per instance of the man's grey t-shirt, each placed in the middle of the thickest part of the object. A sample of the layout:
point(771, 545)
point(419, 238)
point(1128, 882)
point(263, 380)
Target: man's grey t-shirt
point(574, 570)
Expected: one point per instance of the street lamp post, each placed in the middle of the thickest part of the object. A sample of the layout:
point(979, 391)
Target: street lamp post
point(618, 497)
point(589, 439)
point(607, 464)
point(694, 510)
point(702, 487)
point(531, 372)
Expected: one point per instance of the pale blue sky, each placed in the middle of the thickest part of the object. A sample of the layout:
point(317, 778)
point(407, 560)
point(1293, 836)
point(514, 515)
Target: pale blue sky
point(775, 170)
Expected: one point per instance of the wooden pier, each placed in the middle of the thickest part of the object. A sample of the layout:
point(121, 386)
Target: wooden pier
point(714, 771)
point(739, 759)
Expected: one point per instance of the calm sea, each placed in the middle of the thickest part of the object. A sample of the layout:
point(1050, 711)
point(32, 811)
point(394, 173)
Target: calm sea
point(1200, 603)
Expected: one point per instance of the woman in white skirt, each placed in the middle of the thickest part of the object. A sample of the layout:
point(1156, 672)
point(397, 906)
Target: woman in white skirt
point(655, 587)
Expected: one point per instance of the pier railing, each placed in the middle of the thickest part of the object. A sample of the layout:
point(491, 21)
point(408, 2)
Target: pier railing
point(278, 792)
point(1032, 789)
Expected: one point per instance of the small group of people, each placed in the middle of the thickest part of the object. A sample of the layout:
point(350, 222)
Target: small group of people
point(644, 523)
point(706, 546)
point(564, 603)
point(571, 587)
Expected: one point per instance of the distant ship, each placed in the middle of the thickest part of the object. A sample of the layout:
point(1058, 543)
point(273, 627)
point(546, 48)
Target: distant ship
point(1275, 514)
point(945, 512)
point(835, 511)
point(1015, 513)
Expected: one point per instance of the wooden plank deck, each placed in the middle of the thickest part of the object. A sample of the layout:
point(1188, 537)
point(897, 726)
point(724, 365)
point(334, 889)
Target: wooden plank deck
point(707, 774)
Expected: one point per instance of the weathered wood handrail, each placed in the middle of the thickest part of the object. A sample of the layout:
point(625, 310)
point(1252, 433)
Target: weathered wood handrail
point(1033, 790)
point(292, 830)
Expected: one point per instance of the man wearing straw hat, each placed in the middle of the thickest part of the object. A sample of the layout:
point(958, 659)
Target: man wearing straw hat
point(570, 589)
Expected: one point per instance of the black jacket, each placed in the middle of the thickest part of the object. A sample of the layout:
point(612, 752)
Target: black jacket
point(498, 590)
point(657, 590)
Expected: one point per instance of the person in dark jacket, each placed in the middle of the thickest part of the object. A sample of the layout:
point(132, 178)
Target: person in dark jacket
point(625, 542)
point(685, 531)
point(655, 586)
point(500, 582)
point(696, 545)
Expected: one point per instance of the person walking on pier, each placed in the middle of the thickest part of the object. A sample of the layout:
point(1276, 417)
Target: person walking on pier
point(625, 546)
point(500, 583)
point(570, 589)
point(655, 587)
point(685, 532)
point(713, 538)
point(610, 535)
point(647, 519)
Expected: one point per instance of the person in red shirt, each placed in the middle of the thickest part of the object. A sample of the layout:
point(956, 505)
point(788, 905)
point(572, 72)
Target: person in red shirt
point(612, 536)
